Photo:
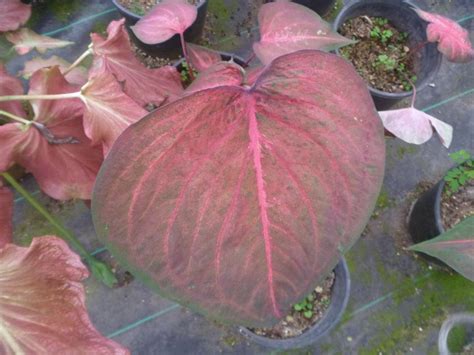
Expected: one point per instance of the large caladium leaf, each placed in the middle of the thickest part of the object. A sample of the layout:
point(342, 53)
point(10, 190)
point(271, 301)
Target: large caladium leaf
point(77, 76)
point(454, 247)
point(13, 14)
point(114, 55)
point(453, 39)
point(108, 110)
point(42, 302)
point(236, 200)
point(6, 215)
point(63, 171)
point(25, 40)
point(287, 27)
point(10, 85)
point(166, 19)
point(202, 58)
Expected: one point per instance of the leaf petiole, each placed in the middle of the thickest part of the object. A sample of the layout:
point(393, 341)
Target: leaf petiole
point(70, 95)
point(79, 60)
point(15, 117)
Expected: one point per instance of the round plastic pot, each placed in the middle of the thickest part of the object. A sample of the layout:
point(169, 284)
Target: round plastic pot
point(459, 319)
point(339, 298)
point(322, 7)
point(171, 47)
point(401, 15)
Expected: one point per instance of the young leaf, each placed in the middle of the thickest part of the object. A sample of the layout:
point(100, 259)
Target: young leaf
point(415, 127)
point(114, 55)
point(261, 188)
point(108, 110)
point(202, 58)
point(452, 38)
point(167, 18)
point(63, 171)
point(25, 40)
point(77, 76)
point(10, 85)
point(287, 27)
point(13, 14)
point(454, 247)
point(6, 215)
point(42, 302)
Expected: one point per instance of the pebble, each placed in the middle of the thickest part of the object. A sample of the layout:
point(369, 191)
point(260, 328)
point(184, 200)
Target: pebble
point(319, 289)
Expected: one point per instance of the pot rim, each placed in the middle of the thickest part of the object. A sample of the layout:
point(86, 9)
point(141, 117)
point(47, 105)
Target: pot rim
point(138, 17)
point(448, 325)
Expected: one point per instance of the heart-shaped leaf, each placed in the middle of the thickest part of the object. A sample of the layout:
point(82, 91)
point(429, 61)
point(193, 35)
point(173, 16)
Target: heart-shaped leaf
point(202, 58)
point(287, 27)
point(108, 110)
point(453, 39)
point(77, 76)
point(25, 40)
point(114, 55)
point(13, 14)
point(454, 247)
point(415, 127)
point(236, 201)
point(10, 85)
point(42, 302)
point(6, 215)
point(63, 171)
point(167, 18)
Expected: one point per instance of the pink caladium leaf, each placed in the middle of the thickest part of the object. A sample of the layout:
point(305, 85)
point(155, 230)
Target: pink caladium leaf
point(25, 40)
point(10, 85)
point(287, 27)
point(454, 247)
point(6, 215)
point(108, 110)
point(202, 58)
point(63, 171)
point(77, 76)
point(42, 302)
point(220, 74)
point(261, 188)
point(114, 55)
point(452, 38)
point(166, 19)
point(13, 14)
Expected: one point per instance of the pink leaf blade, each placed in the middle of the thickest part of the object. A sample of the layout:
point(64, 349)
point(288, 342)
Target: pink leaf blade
point(453, 40)
point(25, 40)
point(226, 187)
point(444, 130)
point(167, 18)
point(55, 320)
point(6, 215)
point(287, 27)
point(202, 58)
point(455, 247)
point(10, 85)
point(13, 14)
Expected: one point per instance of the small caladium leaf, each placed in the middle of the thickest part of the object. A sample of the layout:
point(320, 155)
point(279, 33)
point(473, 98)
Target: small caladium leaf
point(202, 58)
point(454, 247)
point(63, 171)
point(220, 74)
point(26, 40)
point(114, 55)
point(452, 38)
point(10, 85)
point(42, 302)
point(6, 215)
point(13, 14)
point(166, 19)
point(287, 27)
point(415, 127)
point(77, 76)
point(108, 110)
point(261, 188)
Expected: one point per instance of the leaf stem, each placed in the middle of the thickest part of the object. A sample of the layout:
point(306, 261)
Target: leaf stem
point(15, 117)
point(78, 60)
point(70, 95)
point(100, 270)
point(185, 52)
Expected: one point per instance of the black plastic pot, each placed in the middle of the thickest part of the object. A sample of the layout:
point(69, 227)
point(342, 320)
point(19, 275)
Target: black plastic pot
point(322, 7)
point(402, 16)
point(339, 298)
point(171, 47)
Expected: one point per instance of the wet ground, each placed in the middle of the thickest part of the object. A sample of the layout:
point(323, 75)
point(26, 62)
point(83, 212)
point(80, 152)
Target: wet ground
point(397, 301)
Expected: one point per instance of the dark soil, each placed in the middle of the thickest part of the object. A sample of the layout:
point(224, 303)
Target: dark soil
point(141, 7)
point(382, 55)
point(457, 206)
point(295, 323)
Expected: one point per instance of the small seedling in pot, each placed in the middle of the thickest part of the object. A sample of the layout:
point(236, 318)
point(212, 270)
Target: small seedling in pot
point(305, 307)
point(383, 35)
point(459, 176)
point(185, 75)
point(385, 62)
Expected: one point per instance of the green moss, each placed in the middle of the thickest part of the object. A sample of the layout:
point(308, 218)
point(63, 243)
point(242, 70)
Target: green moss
point(63, 10)
point(331, 16)
point(457, 339)
point(220, 18)
point(402, 151)
point(100, 27)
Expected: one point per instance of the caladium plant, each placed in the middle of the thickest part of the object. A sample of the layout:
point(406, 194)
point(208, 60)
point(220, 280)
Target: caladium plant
point(13, 14)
